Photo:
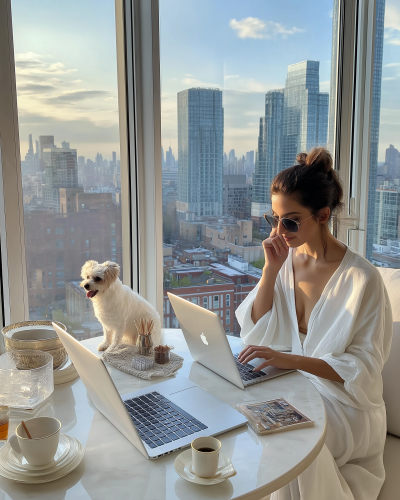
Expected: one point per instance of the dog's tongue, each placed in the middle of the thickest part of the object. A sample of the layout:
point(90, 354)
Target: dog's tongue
point(90, 294)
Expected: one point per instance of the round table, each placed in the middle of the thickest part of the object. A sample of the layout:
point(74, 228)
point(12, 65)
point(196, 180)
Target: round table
point(113, 469)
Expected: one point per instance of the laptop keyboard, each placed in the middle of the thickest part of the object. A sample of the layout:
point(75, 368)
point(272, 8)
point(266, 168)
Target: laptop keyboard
point(159, 421)
point(246, 371)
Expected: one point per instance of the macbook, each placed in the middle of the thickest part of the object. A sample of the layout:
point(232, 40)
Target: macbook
point(209, 345)
point(158, 419)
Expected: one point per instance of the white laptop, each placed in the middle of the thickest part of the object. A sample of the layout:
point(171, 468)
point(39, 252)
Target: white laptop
point(159, 419)
point(209, 345)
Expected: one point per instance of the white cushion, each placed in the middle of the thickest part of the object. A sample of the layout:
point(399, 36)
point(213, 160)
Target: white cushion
point(391, 370)
point(391, 457)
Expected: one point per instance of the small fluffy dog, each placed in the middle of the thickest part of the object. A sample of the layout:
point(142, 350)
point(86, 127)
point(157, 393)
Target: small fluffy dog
point(116, 306)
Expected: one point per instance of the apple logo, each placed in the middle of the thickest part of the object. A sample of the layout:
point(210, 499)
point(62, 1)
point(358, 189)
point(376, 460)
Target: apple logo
point(204, 339)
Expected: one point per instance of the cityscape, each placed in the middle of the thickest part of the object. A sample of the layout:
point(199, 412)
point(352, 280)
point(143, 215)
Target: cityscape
point(213, 199)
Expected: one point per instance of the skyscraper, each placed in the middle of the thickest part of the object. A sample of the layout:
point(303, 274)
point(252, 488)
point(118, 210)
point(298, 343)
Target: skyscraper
point(387, 218)
point(375, 120)
point(45, 141)
point(200, 151)
point(268, 160)
point(305, 114)
point(296, 120)
point(61, 171)
point(334, 64)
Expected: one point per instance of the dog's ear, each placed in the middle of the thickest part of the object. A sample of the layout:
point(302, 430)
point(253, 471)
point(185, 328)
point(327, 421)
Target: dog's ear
point(87, 267)
point(111, 270)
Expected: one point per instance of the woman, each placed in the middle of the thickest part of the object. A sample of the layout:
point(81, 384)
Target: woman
point(330, 305)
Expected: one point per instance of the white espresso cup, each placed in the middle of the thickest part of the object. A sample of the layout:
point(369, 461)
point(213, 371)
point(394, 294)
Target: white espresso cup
point(205, 456)
point(45, 433)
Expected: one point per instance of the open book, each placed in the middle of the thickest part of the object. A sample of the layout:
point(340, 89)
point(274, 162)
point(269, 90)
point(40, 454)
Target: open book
point(273, 416)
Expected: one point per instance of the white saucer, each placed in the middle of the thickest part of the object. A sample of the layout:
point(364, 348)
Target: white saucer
point(183, 463)
point(15, 467)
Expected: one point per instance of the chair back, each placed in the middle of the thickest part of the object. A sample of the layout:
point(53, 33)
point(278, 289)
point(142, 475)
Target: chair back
point(391, 370)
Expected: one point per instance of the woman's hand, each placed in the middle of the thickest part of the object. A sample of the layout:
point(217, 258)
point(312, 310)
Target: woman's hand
point(276, 250)
point(272, 358)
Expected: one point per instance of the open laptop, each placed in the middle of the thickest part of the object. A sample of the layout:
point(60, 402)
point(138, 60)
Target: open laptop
point(158, 419)
point(209, 345)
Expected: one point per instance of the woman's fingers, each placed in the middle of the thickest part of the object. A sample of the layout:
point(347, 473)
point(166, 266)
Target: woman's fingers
point(269, 362)
point(248, 350)
point(266, 354)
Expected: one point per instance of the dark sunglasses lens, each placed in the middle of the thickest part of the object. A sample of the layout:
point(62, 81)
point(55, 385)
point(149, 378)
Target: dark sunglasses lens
point(271, 220)
point(290, 225)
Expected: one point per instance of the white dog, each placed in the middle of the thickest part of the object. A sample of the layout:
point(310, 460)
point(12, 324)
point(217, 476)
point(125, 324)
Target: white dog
point(116, 306)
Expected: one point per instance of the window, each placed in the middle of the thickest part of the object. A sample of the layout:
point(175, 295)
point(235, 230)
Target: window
point(224, 142)
point(60, 284)
point(216, 302)
point(194, 300)
point(227, 300)
point(227, 317)
point(59, 230)
point(383, 211)
point(205, 302)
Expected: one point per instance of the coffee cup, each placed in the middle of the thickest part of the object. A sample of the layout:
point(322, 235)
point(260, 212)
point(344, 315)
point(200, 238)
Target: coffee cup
point(45, 434)
point(205, 456)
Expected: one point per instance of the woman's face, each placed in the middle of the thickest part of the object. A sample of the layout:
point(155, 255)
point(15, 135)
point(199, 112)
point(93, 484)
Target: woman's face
point(287, 206)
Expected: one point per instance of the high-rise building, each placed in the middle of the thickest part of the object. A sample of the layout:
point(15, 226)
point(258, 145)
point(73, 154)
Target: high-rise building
point(200, 151)
point(332, 91)
point(387, 213)
point(61, 171)
point(391, 156)
point(268, 159)
point(65, 145)
point(236, 196)
point(45, 141)
point(305, 116)
point(375, 121)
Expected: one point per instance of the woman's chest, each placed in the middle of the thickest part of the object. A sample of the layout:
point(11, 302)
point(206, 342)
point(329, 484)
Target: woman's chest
point(309, 284)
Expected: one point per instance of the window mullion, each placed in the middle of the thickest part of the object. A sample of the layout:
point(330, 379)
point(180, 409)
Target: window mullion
point(15, 293)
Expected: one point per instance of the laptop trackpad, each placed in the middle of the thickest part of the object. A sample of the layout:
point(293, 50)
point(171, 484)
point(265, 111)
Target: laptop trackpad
point(195, 401)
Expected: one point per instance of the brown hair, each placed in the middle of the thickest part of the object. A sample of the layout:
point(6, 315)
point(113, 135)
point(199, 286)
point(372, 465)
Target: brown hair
point(313, 183)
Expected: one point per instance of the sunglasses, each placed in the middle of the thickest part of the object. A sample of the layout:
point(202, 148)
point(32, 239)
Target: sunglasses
point(289, 224)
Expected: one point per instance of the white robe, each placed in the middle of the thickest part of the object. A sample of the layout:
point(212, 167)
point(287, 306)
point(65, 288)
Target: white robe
point(351, 329)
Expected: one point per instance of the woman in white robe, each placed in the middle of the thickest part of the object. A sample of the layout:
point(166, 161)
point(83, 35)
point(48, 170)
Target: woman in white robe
point(347, 341)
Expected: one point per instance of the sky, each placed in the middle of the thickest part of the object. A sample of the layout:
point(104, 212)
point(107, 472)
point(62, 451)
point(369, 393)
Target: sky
point(67, 74)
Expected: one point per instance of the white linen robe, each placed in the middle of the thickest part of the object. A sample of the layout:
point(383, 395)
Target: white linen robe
point(351, 329)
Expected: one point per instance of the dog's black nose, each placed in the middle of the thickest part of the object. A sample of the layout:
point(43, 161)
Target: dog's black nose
point(87, 286)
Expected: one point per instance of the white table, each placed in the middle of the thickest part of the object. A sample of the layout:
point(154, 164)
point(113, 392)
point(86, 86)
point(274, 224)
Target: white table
point(113, 469)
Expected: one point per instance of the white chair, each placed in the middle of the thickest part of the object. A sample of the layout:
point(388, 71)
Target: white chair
point(391, 382)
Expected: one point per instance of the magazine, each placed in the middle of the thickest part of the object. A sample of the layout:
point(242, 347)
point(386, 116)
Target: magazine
point(273, 416)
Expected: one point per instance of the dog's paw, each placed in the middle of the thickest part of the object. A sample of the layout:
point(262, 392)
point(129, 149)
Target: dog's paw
point(103, 346)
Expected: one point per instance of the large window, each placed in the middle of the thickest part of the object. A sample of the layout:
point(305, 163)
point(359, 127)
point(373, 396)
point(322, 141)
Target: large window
point(68, 126)
point(245, 87)
point(383, 222)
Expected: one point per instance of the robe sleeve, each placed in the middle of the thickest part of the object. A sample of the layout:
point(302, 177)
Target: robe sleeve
point(360, 365)
point(270, 328)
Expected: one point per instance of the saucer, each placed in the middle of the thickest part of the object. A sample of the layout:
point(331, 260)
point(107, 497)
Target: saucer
point(65, 373)
point(183, 467)
point(15, 467)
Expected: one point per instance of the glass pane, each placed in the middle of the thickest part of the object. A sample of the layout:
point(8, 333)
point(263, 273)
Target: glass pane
point(68, 125)
point(250, 89)
point(383, 218)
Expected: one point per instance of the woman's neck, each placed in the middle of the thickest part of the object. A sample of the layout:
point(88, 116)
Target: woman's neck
point(315, 249)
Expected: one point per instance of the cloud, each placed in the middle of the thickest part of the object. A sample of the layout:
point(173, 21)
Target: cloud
point(330, 13)
point(77, 95)
point(391, 65)
point(29, 64)
point(34, 88)
point(252, 27)
point(194, 82)
point(227, 77)
point(389, 78)
point(392, 24)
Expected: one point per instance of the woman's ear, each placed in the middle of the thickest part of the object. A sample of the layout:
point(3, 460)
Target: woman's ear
point(323, 215)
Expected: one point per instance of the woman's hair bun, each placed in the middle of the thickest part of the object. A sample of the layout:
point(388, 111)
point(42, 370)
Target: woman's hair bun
point(318, 158)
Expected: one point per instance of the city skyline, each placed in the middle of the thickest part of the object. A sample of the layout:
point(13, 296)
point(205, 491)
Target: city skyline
point(73, 92)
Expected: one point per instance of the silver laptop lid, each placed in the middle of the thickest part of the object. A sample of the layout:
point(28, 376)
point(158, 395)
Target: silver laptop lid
point(206, 339)
point(101, 388)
